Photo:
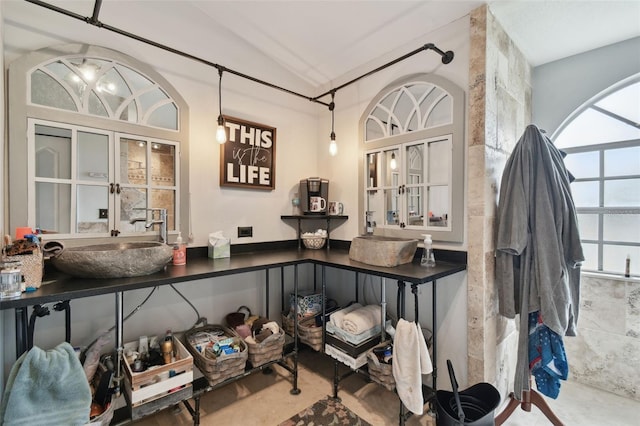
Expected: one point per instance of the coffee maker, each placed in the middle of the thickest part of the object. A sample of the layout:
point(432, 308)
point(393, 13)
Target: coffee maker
point(314, 196)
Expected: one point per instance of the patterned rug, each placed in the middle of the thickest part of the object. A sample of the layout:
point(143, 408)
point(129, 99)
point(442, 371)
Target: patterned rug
point(326, 412)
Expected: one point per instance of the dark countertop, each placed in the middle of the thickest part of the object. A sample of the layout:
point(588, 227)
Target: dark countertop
point(57, 286)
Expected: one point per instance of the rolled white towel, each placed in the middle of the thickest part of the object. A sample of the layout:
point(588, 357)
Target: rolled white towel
point(362, 319)
point(337, 317)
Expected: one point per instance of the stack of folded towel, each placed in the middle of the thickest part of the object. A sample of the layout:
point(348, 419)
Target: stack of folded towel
point(357, 319)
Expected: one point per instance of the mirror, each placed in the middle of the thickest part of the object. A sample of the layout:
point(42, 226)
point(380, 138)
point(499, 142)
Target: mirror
point(105, 134)
point(412, 175)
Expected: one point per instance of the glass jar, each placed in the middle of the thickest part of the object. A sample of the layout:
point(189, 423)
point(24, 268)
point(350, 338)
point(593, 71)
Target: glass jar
point(10, 280)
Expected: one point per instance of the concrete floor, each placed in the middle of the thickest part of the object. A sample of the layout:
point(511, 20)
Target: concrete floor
point(264, 399)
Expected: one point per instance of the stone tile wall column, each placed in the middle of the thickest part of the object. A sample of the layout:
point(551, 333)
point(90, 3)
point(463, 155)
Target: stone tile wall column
point(499, 110)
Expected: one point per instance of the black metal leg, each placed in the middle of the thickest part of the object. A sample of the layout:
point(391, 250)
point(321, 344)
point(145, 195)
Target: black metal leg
point(400, 302)
point(336, 380)
point(357, 285)
point(266, 297)
point(295, 390)
point(282, 289)
point(196, 414)
point(22, 321)
point(434, 374)
point(315, 275)
point(324, 304)
point(414, 290)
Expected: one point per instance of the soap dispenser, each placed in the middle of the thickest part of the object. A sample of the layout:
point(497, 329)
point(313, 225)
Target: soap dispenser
point(179, 251)
point(428, 258)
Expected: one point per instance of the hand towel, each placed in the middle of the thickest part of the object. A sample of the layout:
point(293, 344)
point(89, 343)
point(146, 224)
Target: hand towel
point(362, 319)
point(410, 361)
point(337, 317)
point(46, 388)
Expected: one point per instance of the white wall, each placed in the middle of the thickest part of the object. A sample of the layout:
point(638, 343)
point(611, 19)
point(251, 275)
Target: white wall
point(302, 150)
point(562, 86)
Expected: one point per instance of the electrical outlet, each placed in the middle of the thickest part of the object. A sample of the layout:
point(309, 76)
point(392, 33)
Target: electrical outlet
point(245, 231)
point(103, 214)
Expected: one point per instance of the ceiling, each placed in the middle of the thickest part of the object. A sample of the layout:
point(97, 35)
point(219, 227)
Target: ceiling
point(320, 42)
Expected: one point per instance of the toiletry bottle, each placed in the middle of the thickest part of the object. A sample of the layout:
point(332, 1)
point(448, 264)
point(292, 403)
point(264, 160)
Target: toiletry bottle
point(428, 258)
point(166, 346)
point(179, 251)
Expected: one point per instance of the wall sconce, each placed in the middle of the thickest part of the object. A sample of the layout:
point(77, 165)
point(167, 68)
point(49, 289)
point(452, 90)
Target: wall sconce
point(333, 147)
point(221, 133)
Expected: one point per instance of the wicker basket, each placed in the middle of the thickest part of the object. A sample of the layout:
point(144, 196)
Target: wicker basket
point(313, 242)
point(308, 332)
point(217, 369)
point(268, 350)
point(381, 373)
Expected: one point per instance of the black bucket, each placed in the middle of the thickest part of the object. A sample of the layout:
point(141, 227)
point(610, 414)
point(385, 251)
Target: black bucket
point(473, 406)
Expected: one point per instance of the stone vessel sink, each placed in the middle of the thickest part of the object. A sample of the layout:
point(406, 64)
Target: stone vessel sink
point(113, 260)
point(382, 251)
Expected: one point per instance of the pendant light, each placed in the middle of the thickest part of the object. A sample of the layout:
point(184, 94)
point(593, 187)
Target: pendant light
point(333, 147)
point(221, 133)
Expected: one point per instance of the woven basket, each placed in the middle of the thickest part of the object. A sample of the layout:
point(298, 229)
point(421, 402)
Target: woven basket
point(268, 350)
point(308, 332)
point(32, 267)
point(313, 242)
point(381, 373)
point(217, 369)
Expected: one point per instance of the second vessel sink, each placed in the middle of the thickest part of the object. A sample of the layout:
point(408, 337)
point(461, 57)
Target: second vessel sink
point(382, 251)
point(113, 260)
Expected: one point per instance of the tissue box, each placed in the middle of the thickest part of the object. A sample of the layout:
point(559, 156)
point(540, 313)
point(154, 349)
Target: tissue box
point(219, 248)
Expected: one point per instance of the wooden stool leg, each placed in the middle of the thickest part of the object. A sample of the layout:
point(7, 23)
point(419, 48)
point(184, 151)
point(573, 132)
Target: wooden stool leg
point(511, 406)
point(538, 401)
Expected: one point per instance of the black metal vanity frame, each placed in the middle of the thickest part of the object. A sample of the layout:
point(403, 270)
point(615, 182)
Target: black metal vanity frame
point(262, 257)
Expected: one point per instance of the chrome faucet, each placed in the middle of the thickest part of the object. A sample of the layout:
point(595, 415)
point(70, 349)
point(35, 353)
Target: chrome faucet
point(162, 221)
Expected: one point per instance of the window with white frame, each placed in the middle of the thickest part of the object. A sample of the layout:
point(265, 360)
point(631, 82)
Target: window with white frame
point(602, 143)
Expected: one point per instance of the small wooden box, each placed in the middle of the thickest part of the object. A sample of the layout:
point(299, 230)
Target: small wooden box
point(155, 382)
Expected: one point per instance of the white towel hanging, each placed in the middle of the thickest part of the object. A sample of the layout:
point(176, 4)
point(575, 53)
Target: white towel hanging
point(410, 361)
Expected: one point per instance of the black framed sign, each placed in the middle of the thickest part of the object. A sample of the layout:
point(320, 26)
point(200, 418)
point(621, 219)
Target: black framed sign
point(248, 158)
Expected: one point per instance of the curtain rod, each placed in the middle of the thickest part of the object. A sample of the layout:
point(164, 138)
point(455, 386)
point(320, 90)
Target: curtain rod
point(447, 57)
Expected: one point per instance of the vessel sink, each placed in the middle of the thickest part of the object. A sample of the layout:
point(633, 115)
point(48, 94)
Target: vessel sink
point(379, 250)
point(113, 260)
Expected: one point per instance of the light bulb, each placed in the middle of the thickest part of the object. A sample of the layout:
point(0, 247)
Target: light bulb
point(393, 163)
point(221, 133)
point(333, 146)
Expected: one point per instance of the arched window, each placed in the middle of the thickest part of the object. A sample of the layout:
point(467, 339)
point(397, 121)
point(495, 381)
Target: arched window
point(602, 142)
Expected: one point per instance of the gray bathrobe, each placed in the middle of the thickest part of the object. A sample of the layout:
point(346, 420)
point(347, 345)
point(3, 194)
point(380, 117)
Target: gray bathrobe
point(538, 250)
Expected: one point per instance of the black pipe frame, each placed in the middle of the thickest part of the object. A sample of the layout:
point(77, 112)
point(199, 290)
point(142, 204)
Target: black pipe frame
point(447, 57)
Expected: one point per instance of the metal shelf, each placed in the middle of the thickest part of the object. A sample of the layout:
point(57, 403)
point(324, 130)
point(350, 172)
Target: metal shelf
point(327, 217)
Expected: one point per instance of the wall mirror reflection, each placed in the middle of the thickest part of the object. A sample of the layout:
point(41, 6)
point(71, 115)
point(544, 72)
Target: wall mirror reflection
point(412, 174)
point(106, 140)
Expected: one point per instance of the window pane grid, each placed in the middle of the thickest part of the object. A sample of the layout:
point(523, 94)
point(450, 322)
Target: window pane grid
point(617, 206)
